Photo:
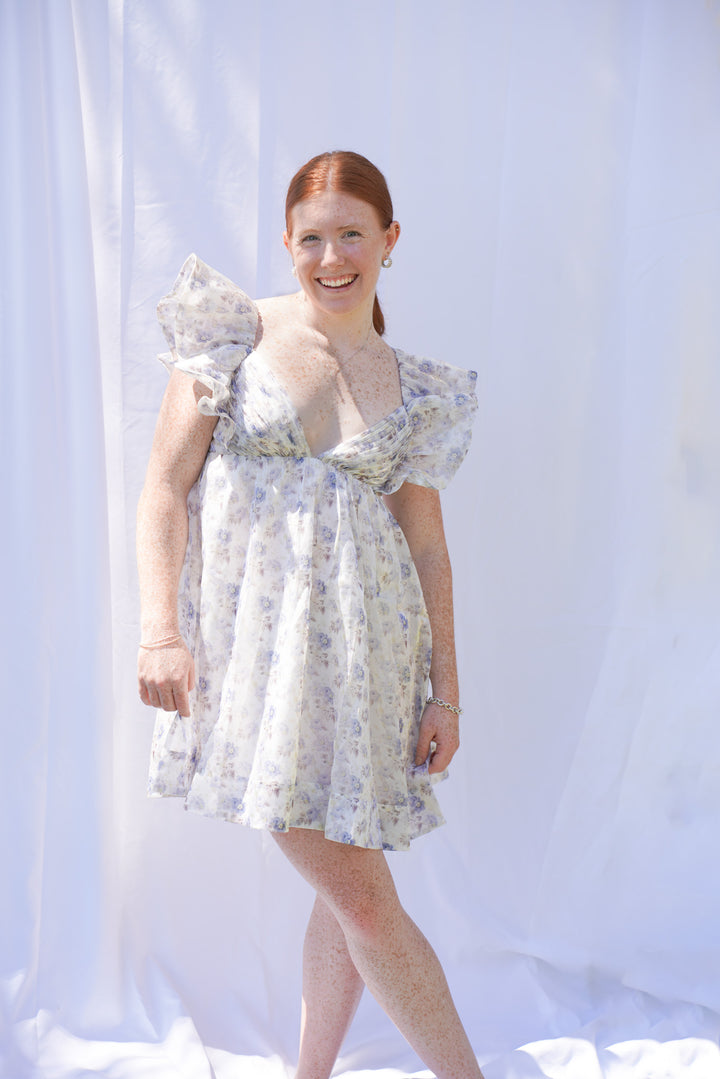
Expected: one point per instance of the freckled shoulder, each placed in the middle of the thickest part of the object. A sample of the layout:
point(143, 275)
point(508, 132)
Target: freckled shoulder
point(278, 319)
point(277, 307)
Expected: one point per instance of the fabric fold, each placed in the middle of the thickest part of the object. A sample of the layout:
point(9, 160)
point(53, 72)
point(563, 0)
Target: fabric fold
point(441, 403)
point(298, 595)
point(210, 325)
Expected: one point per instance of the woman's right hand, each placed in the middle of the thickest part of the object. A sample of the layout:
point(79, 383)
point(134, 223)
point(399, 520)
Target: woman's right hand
point(166, 676)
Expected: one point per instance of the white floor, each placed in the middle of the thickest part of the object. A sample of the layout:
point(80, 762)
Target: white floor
point(681, 1045)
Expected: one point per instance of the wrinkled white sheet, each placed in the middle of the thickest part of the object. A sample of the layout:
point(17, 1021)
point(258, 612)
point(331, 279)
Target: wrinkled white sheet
point(556, 170)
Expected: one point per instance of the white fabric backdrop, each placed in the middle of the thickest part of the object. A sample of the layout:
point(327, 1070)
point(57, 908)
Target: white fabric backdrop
point(556, 170)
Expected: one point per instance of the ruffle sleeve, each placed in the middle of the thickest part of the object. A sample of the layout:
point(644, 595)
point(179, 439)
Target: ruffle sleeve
point(441, 403)
point(210, 325)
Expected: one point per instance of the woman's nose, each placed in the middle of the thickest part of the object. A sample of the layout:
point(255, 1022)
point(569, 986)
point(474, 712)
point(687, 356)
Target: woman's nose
point(331, 255)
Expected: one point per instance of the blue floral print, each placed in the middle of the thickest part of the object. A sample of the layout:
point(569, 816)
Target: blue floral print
point(298, 596)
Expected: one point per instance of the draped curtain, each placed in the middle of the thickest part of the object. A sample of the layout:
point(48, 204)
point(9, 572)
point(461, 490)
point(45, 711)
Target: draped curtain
point(556, 171)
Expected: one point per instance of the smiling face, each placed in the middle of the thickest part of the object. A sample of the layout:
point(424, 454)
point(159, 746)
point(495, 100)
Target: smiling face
point(337, 243)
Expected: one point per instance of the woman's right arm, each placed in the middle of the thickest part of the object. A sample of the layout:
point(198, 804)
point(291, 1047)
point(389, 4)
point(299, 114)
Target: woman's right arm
point(180, 446)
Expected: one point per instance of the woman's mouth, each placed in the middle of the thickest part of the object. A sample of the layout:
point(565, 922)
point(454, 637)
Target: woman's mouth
point(337, 282)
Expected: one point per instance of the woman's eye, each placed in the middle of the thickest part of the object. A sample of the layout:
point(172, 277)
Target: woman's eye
point(352, 233)
point(311, 238)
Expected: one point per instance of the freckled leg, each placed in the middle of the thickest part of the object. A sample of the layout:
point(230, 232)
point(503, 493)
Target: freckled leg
point(389, 952)
point(332, 989)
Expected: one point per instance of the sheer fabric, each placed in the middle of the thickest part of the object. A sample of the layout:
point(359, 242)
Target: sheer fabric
point(298, 596)
point(555, 168)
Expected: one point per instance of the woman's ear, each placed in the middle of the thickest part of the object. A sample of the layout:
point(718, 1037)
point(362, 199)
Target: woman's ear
point(391, 236)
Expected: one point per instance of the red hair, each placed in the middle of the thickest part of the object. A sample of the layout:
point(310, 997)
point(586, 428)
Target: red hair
point(350, 174)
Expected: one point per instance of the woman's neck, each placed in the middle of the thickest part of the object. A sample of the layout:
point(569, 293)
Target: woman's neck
point(342, 333)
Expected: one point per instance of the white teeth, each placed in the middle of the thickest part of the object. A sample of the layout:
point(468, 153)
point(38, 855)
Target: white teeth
point(336, 282)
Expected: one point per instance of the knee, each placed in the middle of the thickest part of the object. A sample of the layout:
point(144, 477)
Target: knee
point(367, 914)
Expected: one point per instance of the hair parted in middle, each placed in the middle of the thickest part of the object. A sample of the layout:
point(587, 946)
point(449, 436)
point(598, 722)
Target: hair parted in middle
point(347, 173)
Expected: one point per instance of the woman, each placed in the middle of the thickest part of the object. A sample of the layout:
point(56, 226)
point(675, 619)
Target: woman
point(291, 550)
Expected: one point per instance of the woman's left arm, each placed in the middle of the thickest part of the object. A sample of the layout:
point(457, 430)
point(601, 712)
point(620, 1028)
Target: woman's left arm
point(417, 511)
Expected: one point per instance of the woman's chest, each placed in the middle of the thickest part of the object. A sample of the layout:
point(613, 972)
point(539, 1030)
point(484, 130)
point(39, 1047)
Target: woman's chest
point(331, 400)
point(267, 424)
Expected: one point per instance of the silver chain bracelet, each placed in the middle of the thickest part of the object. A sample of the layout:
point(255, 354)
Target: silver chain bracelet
point(444, 704)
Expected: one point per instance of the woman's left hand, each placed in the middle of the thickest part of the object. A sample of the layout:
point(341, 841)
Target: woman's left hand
point(442, 727)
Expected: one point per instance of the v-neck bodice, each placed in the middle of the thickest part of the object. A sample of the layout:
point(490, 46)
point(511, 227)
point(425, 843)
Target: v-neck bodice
point(266, 423)
point(264, 373)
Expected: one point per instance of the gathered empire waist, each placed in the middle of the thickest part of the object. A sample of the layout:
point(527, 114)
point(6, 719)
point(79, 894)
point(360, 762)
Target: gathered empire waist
point(365, 458)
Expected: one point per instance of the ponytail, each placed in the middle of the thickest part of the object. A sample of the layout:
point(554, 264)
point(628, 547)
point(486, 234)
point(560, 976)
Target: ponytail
point(378, 317)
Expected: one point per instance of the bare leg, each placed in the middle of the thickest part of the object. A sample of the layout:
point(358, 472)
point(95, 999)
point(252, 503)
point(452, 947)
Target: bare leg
point(332, 989)
point(388, 950)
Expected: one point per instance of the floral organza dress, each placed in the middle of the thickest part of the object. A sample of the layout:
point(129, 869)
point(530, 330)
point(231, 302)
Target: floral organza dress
point(298, 596)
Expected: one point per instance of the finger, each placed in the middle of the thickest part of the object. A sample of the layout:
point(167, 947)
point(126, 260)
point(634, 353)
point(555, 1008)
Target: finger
point(167, 699)
point(153, 697)
point(182, 693)
point(445, 750)
point(422, 749)
point(440, 760)
point(182, 700)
